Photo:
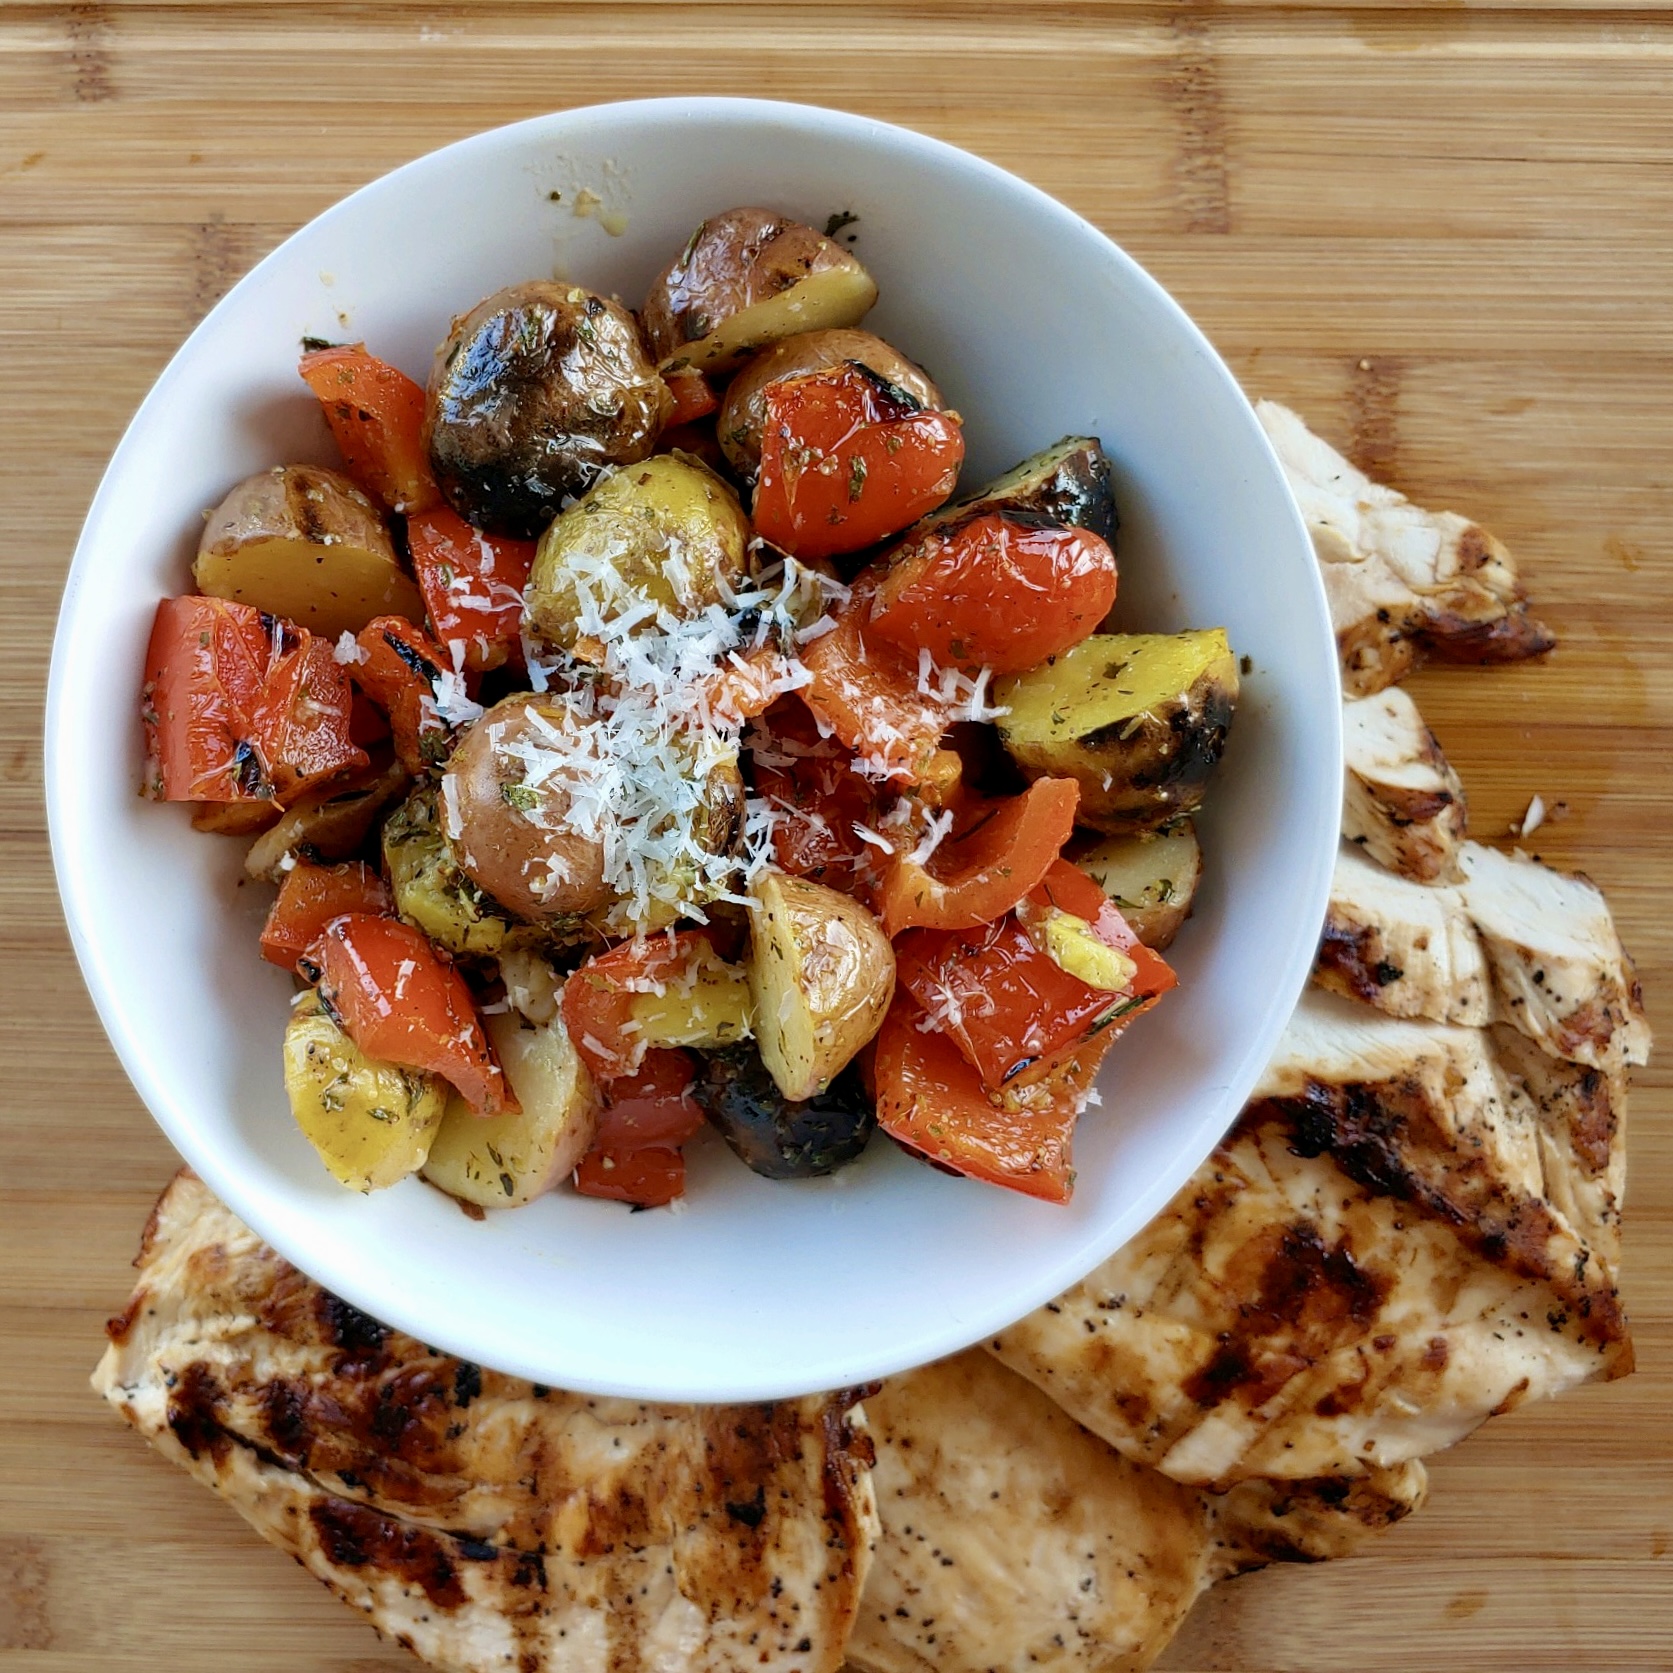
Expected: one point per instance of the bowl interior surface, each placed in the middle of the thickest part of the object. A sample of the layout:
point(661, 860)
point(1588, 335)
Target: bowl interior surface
point(1036, 327)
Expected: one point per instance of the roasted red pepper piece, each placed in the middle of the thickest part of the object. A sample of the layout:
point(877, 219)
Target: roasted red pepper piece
point(310, 898)
point(400, 669)
point(376, 414)
point(693, 396)
point(304, 716)
point(847, 459)
point(932, 1102)
point(994, 592)
point(636, 1157)
point(867, 694)
point(472, 584)
point(239, 706)
point(998, 852)
point(811, 781)
point(399, 1001)
point(1013, 1010)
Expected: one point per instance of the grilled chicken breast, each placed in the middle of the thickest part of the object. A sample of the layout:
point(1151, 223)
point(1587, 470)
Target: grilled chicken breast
point(1560, 973)
point(1403, 805)
point(1401, 581)
point(1013, 1538)
point(1407, 948)
point(1365, 1270)
point(484, 1522)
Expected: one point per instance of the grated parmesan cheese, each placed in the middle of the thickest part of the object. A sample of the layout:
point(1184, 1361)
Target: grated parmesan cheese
point(629, 760)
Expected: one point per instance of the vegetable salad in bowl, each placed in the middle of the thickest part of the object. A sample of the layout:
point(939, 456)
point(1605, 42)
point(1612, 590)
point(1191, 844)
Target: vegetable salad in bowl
point(643, 737)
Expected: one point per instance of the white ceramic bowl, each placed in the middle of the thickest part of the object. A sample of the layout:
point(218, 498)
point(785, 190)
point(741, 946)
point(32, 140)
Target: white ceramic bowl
point(1036, 326)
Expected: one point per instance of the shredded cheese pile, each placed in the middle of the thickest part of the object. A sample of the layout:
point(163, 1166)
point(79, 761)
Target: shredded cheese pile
point(646, 736)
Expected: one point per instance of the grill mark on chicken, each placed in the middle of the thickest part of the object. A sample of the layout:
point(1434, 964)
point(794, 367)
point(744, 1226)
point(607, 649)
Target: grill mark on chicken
point(1309, 1287)
point(1403, 806)
point(354, 1537)
point(1386, 1139)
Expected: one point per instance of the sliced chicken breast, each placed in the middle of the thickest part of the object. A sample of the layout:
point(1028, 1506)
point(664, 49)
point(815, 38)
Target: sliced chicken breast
point(1363, 1272)
point(1560, 973)
point(1400, 580)
point(482, 1521)
point(1582, 1121)
point(1407, 948)
point(1014, 1539)
point(1403, 805)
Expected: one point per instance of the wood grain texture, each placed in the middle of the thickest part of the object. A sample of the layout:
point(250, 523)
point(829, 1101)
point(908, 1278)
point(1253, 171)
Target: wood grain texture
point(1445, 235)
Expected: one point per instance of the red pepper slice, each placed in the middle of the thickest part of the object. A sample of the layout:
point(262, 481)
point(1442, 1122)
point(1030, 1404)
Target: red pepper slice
point(932, 1102)
point(376, 414)
point(636, 1157)
point(400, 668)
point(847, 460)
point(812, 784)
point(995, 592)
point(472, 585)
point(1010, 1008)
point(1000, 851)
point(310, 897)
point(598, 998)
point(305, 715)
point(400, 1002)
point(867, 694)
point(239, 706)
point(693, 396)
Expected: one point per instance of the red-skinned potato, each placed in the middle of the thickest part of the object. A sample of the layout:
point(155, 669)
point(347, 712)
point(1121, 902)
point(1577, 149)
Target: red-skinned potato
point(747, 278)
point(744, 410)
point(536, 391)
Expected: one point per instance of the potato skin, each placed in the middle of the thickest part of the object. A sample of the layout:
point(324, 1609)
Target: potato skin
point(821, 975)
point(430, 887)
point(304, 543)
point(372, 1123)
point(744, 410)
point(635, 521)
point(504, 1161)
point(1151, 877)
point(499, 845)
point(740, 261)
point(535, 392)
point(1138, 720)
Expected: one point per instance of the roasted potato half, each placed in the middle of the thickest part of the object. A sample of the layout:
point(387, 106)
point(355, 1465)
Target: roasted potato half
point(537, 390)
point(1151, 878)
point(430, 888)
point(372, 1123)
point(304, 543)
point(504, 1161)
point(744, 410)
point(821, 975)
point(506, 802)
point(506, 818)
point(708, 1007)
point(1137, 719)
point(667, 529)
point(747, 278)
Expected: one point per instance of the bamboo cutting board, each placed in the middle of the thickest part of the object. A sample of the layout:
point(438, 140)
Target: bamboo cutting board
point(1444, 235)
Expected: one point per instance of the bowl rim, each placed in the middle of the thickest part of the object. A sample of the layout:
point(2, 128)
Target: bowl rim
point(242, 1192)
